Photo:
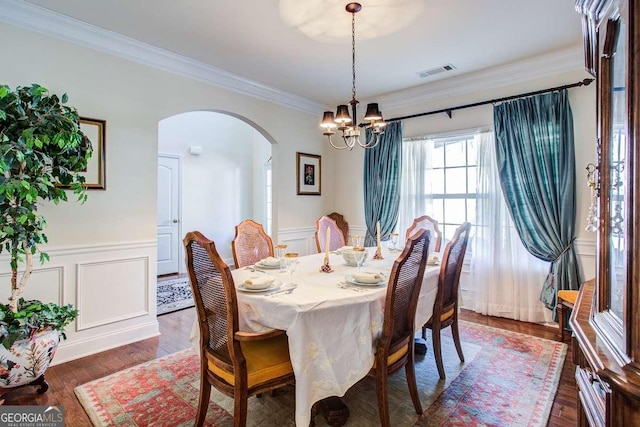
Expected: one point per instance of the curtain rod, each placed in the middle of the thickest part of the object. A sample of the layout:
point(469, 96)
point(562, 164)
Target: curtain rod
point(585, 82)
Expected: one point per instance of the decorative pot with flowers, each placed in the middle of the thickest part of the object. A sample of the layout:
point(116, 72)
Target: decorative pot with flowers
point(43, 152)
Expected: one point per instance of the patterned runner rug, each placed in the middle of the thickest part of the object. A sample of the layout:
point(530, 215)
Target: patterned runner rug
point(509, 379)
point(173, 295)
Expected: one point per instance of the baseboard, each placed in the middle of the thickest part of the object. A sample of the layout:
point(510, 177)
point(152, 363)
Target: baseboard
point(68, 351)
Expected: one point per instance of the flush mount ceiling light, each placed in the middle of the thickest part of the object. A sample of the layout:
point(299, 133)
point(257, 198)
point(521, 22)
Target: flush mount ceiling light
point(342, 121)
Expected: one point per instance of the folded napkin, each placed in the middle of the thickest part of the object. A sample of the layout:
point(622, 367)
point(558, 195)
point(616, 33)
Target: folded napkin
point(368, 277)
point(258, 282)
point(270, 261)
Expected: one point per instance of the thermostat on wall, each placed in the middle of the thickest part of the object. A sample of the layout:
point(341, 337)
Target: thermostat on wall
point(196, 150)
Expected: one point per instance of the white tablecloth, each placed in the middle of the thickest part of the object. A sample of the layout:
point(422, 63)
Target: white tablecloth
point(331, 330)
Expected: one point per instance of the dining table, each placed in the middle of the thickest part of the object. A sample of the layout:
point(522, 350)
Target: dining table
point(332, 323)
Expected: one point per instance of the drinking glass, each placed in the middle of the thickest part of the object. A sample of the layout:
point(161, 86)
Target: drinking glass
point(280, 251)
point(356, 240)
point(358, 255)
point(291, 262)
point(394, 242)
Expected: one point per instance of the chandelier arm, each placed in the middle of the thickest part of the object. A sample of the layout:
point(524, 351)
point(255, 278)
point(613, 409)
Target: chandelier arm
point(337, 147)
point(350, 141)
point(371, 142)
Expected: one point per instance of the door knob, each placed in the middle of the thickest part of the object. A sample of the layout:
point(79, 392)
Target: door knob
point(175, 221)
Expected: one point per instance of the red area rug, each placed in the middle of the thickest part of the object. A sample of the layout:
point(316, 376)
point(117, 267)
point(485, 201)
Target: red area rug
point(509, 379)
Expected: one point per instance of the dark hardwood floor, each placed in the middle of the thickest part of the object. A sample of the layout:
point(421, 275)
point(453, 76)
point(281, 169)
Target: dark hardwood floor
point(175, 328)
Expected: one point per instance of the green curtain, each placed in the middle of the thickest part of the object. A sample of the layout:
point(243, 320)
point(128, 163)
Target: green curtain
point(382, 165)
point(536, 160)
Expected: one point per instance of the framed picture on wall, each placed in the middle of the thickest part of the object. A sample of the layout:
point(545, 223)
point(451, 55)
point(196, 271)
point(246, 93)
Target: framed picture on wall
point(96, 131)
point(308, 171)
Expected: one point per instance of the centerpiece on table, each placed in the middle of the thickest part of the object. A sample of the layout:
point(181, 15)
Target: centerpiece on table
point(42, 152)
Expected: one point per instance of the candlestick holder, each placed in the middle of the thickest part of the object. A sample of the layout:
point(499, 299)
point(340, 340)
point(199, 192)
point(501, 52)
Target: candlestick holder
point(326, 268)
point(378, 254)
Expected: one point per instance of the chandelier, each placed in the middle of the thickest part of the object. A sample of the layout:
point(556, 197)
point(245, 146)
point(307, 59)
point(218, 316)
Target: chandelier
point(346, 123)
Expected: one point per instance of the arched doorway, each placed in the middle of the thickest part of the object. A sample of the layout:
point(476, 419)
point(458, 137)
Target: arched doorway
point(222, 165)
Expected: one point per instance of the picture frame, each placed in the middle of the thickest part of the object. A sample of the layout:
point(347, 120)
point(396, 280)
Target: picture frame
point(96, 131)
point(309, 177)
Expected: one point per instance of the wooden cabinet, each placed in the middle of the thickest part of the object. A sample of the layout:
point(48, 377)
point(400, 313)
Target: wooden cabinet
point(606, 317)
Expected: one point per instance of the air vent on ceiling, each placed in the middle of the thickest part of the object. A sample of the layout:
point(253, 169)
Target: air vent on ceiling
point(437, 70)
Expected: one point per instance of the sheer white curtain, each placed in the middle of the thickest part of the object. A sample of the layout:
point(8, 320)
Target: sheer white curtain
point(505, 279)
point(415, 183)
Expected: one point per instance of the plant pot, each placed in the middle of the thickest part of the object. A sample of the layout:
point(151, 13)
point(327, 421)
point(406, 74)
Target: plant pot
point(26, 360)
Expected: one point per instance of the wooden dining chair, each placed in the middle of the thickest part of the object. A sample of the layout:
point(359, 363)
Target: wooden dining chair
point(445, 307)
point(250, 244)
point(336, 237)
point(428, 223)
point(394, 349)
point(238, 364)
point(341, 223)
point(566, 301)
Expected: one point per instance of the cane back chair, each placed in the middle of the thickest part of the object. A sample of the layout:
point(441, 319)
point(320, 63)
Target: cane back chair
point(430, 224)
point(395, 348)
point(445, 307)
point(239, 364)
point(250, 244)
point(336, 237)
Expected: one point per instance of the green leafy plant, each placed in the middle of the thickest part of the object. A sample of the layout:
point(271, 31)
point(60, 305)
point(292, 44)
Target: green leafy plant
point(32, 317)
point(42, 150)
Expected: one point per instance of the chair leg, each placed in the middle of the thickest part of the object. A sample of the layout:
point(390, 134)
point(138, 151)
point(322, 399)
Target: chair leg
point(437, 350)
point(456, 337)
point(383, 397)
point(203, 400)
point(561, 320)
point(240, 408)
point(424, 332)
point(410, 372)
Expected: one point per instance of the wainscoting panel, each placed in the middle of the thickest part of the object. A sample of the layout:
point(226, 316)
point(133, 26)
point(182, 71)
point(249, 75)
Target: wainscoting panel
point(113, 286)
point(300, 240)
point(118, 289)
point(45, 284)
point(586, 251)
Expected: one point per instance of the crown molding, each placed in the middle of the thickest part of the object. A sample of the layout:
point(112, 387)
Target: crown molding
point(557, 62)
point(45, 21)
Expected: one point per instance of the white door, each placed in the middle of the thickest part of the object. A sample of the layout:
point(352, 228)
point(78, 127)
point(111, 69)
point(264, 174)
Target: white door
point(168, 215)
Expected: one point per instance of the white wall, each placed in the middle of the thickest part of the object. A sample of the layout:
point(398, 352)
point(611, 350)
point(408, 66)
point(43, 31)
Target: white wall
point(261, 156)
point(115, 230)
point(223, 185)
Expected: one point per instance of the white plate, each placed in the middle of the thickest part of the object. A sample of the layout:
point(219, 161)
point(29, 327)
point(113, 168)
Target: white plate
point(268, 266)
point(353, 281)
point(275, 285)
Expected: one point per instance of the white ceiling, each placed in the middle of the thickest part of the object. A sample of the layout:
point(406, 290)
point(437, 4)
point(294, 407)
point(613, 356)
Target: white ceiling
point(251, 39)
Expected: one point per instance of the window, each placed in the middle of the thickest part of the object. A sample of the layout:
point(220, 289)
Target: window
point(268, 197)
point(447, 168)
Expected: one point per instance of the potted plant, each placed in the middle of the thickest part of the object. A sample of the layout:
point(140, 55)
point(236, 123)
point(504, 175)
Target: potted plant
point(42, 152)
